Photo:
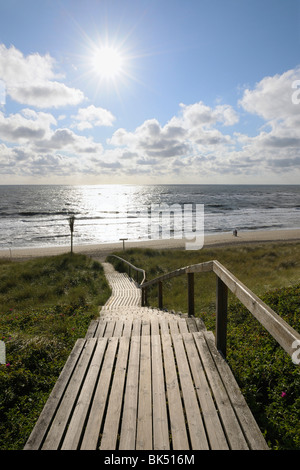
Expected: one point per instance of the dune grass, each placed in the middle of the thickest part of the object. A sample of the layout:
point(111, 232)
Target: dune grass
point(46, 304)
point(267, 376)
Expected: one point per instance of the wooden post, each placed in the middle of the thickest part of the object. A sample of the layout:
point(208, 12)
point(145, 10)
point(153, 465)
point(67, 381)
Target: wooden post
point(144, 296)
point(221, 320)
point(160, 295)
point(191, 303)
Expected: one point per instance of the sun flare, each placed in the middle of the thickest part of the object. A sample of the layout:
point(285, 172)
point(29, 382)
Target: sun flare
point(107, 62)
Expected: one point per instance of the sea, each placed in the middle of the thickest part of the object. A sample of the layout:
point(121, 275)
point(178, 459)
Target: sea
point(38, 215)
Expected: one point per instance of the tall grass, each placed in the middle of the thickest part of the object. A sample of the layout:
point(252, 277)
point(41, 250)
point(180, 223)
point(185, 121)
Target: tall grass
point(45, 306)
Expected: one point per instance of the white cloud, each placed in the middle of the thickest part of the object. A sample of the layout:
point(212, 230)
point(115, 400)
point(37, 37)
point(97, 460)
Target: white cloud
point(25, 126)
point(31, 80)
point(272, 100)
point(272, 97)
point(93, 116)
point(191, 131)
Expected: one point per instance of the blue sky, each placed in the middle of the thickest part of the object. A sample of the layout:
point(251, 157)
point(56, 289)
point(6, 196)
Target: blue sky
point(204, 91)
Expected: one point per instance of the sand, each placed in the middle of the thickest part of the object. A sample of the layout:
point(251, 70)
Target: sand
point(100, 251)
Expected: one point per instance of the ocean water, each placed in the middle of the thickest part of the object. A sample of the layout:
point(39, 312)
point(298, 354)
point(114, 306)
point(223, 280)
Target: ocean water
point(37, 215)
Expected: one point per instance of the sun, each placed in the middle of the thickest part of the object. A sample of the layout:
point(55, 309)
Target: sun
point(108, 62)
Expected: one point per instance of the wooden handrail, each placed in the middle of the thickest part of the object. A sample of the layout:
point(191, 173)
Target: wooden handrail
point(281, 331)
point(133, 267)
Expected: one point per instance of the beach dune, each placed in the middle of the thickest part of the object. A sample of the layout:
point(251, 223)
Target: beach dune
point(100, 251)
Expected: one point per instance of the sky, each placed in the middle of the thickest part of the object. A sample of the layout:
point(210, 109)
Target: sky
point(150, 91)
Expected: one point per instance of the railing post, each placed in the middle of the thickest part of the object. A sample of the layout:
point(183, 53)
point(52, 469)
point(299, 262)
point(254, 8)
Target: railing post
point(191, 303)
point(160, 295)
point(221, 320)
point(144, 296)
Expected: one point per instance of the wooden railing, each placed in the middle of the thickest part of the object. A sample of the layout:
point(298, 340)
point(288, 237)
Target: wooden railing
point(130, 267)
point(281, 331)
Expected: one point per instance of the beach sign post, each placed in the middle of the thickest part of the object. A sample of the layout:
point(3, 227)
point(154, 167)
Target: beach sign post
point(71, 223)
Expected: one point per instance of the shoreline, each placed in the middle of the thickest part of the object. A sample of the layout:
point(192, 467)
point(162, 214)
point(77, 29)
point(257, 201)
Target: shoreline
point(100, 251)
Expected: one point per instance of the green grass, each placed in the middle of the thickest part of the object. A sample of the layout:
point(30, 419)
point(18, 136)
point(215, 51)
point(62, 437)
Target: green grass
point(46, 304)
point(267, 376)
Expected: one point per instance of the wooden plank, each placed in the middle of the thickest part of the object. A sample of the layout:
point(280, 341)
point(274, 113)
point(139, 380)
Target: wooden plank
point(164, 328)
point(250, 427)
point(173, 327)
point(191, 324)
point(101, 328)
point(194, 419)
point(127, 328)
point(118, 328)
point(62, 416)
point(38, 433)
point(136, 327)
point(160, 419)
point(230, 423)
point(129, 418)
point(113, 415)
point(154, 326)
point(145, 327)
point(91, 331)
point(93, 426)
point(182, 326)
point(200, 324)
point(144, 423)
point(215, 433)
point(177, 419)
point(75, 428)
point(110, 326)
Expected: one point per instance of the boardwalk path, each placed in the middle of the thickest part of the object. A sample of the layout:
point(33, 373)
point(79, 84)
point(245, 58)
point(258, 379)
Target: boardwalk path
point(145, 379)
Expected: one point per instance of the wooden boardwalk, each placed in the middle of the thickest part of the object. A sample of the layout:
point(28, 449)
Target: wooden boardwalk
point(145, 379)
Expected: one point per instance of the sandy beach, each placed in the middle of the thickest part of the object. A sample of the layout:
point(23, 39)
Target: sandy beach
point(100, 251)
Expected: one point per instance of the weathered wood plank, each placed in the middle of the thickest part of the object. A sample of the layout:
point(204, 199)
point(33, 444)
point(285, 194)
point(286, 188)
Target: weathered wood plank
point(216, 437)
point(195, 425)
point(57, 429)
point(164, 328)
point(129, 419)
point(177, 419)
point(76, 426)
point(93, 426)
point(250, 428)
point(110, 326)
point(136, 327)
point(231, 425)
point(144, 422)
point(91, 331)
point(118, 328)
point(101, 329)
point(127, 328)
point(160, 419)
point(38, 433)
point(113, 415)
point(154, 326)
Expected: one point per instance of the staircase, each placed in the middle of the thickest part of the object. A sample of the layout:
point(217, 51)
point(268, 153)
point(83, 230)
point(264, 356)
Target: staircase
point(145, 379)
